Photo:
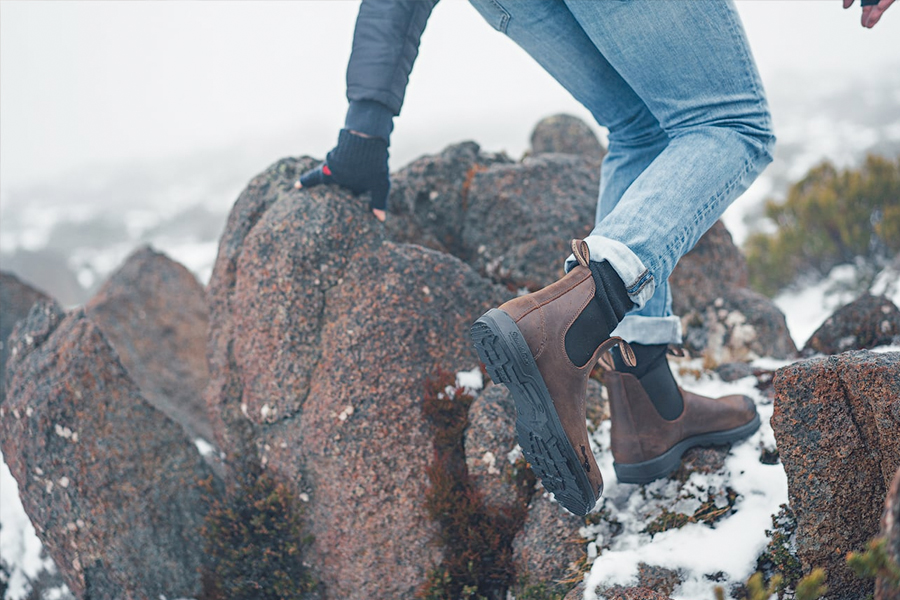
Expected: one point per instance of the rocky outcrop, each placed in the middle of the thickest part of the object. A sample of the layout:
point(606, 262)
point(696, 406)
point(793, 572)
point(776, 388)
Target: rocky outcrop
point(322, 336)
point(430, 196)
point(836, 421)
point(721, 318)
point(511, 222)
point(867, 322)
point(713, 265)
point(739, 325)
point(16, 299)
point(490, 438)
point(890, 530)
point(633, 593)
point(565, 134)
point(548, 547)
point(520, 218)
point(111, 484)
point(153, 312)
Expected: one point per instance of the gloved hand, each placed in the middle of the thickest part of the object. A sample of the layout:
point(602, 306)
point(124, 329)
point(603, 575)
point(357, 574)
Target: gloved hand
point(358, 163)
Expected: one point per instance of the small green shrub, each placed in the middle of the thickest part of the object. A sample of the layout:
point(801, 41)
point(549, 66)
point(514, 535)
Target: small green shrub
point(810, 587)
point(477, 540)
point(779, 560)
point(830, 217)
point(876, 562)
point(254, 539)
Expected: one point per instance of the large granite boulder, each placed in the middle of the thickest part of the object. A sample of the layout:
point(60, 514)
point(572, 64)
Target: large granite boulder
point(112, 486)
point(565, 134)
point(153, 312)
point(836, 421)
point(867, 322)
point(16, 299)
point(323, 335)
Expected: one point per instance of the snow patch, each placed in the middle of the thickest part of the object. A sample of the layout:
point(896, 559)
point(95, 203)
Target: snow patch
point(471, 381)
point(730, 545)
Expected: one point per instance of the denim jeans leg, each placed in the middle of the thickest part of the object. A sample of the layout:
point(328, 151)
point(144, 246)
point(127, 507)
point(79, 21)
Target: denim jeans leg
point(677, 87)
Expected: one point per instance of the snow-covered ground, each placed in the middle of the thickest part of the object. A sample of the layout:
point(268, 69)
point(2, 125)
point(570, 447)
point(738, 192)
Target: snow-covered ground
point(727, 549)
point(20, 548)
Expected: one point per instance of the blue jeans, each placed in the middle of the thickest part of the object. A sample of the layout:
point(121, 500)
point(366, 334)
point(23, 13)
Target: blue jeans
point(689, 126)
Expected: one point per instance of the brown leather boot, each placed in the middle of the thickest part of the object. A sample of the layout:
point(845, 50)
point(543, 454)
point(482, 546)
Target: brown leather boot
point(646, 447)
point(523, 345)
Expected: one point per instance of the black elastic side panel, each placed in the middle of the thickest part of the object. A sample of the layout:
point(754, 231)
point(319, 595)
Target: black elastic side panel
point(600, 317)
point(656, 378)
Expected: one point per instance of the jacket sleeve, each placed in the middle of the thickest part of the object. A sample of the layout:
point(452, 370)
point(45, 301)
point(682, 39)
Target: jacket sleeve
point(385, 46)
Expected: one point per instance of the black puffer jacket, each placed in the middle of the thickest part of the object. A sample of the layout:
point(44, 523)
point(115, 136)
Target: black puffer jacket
point(380, 66)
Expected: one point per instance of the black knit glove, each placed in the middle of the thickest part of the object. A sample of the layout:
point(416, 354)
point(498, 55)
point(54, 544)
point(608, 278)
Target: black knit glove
point(357, 163)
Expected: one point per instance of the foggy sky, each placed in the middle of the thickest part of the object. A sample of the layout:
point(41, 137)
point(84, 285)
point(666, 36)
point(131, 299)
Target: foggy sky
point(101, 83)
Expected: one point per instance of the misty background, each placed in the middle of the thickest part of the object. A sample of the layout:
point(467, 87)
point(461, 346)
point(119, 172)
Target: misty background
point(125, 123)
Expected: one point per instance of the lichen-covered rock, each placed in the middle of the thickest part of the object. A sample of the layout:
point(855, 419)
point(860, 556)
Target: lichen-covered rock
point(633, 593)
point(867, 322)
point(565, 134)
point(836, 421)
point(154, 314)
point(721, 318)
point(322, 336)
point(16, 299)
point(660, 579)
point(510, 221)
point(520, 218)
point(490, 438)
point(110, 483)
point(549, 545)
point(429, 197)
point(712, 266)
point(890, 530)
point(739, 325)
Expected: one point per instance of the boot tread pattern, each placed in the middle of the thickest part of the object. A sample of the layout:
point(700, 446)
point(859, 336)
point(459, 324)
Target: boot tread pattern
point(508, 360)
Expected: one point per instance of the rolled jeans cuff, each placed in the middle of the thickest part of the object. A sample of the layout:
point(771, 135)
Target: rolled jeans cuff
point(639, 283)
point(637, 329)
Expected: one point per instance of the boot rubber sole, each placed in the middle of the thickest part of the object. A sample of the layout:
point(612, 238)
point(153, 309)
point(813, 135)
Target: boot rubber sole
point(503, 350)
point(668, 461)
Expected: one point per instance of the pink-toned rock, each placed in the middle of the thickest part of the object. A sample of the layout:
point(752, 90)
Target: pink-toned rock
point(322, 337)
point(549, 546)
point(110, 483)
point(867, 322)
point(489, 439)
point(154, 314)
point(836, 421)
point(16, 299)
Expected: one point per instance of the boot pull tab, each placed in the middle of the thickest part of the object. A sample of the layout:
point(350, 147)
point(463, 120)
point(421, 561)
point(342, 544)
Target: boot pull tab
point(627, 353)
point(582, 252)
point(678, 351)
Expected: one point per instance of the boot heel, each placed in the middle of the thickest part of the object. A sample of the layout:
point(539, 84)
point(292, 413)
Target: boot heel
point(490, 350)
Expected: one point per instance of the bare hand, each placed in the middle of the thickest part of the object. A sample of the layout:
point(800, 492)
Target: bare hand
point(871, 14)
